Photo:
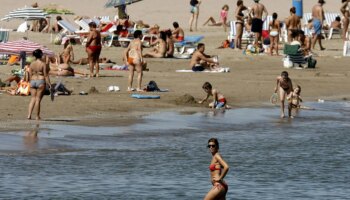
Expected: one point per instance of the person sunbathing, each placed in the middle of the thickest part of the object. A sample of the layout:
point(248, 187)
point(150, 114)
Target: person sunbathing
point(201, 61)
point(160, 50)
point(64, 70)
point(85, 61)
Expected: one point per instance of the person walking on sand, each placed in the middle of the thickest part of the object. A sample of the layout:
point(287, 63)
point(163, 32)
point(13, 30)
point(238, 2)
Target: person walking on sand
point(345, 10)
point(194, 13)
point(257, 11)
point(292, 23)
point(239, 23)
point(275, 30)
point(218, 170)
point(93, 49)
point(39, 78)
point(318, 17)
point(284, 86)
point(133, 58)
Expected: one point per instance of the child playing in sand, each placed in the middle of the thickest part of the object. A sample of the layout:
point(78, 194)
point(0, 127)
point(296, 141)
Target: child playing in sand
point(294, 99)
point(219, 99)
point(284, 87)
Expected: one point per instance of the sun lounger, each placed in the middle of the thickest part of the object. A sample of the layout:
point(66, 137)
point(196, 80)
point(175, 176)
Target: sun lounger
point(4, 35)
point(329, 18)
point(189, 42)
point(69, 28)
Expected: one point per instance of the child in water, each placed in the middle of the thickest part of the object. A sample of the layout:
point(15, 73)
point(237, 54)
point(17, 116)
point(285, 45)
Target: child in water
point(219, 99)
point(294, 99)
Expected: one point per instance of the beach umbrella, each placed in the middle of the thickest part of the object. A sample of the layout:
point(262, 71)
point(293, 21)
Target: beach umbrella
point(26, 13)
point(18, 46)
point(116, 3)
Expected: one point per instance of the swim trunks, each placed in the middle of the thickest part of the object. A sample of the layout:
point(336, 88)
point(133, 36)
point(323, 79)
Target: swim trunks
point(180, 38)
point(95, 49)
point(198, 68)
point(257, 25)
point(317, 26)
point(220, 103)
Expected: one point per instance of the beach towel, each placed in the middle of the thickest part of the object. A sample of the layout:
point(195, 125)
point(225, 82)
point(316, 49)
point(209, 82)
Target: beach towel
point(220, 70)
point(142, 96)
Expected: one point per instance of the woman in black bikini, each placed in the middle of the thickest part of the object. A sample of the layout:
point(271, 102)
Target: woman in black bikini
point(284, 86)
point(239, 23)
point(218, 170)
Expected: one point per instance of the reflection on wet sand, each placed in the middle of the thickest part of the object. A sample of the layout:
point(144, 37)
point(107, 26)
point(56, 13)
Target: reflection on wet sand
point(30, 139)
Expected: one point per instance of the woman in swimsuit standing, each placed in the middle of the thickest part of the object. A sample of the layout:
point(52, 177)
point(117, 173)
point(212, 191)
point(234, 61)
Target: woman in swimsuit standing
point(93, 49)
point(133, 58)
point(239, 23)
point(292, 23)
point(194, 13)
point(284, 86)
point(275, 30)
point(218, 170)
point(38, 76)
point(345, 10)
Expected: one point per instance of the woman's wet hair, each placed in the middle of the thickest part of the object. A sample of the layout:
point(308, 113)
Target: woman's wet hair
point(298, 86)
point(274, 16)
point(162, 35)
point(216, 142)
point(137, 33)
point(37, 53)
point(239, 2)
point(284, 73)
point(207, 86)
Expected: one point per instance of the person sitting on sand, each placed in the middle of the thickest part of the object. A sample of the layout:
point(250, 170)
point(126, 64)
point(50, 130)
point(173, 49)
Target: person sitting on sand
point(223, 18)
point(68, 54)
point(85, 61)
point(201, 61)
point(170, 44)
point(284, 86)
point(178, 33)
point(219, 99)
point(305, 43)
point(160, 50)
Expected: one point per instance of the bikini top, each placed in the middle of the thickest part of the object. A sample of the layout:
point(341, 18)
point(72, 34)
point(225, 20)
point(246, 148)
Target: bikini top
point(212, 167)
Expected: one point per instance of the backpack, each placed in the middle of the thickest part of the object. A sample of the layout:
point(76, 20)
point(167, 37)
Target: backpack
point(311, 63)
point(152, 86)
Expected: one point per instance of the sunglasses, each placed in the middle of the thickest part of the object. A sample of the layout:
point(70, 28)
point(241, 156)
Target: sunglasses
point(213, 146)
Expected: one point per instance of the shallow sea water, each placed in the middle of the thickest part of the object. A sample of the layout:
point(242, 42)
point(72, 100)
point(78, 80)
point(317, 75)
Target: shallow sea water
point(165, 157)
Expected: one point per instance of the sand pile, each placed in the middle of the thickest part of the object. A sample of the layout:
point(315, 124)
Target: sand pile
point(185, 100)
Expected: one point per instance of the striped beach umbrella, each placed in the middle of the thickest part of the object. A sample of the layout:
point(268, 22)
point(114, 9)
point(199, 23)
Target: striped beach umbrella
point(116, 3)
point(18, 46)
point(26, 13)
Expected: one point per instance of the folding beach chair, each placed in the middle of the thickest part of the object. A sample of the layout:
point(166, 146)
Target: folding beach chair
point(246, 37)
point(70, 31)
point(295, 55)
point(329, 18)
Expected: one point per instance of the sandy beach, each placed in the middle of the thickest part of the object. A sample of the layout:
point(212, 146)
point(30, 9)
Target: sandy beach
point(250, 82)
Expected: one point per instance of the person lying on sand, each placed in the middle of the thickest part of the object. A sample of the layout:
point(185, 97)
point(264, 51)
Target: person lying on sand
point(219, 99)
point(64, 70)
point(85, 61)
point(201, 61)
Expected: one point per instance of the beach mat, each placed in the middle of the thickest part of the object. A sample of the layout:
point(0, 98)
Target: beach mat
point(222, 70)
point(142, 96)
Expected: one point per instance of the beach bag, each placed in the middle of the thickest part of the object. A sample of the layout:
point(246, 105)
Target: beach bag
point(152, 86)
point(287, 63)
point(23, 88)
point(311, 63)
point(58, 39)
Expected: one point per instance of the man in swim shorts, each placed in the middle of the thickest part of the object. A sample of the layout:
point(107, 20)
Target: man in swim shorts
point(257, 22)
point(201, 61)
point(318, 17)
point(178, 33)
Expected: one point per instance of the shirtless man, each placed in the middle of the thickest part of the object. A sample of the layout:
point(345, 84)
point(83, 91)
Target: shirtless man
point(201, 61)
point(93, 49)
point(345, 10)
point(257, 22)
point(292, 23)
point(318, 17)
point(178, 33)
